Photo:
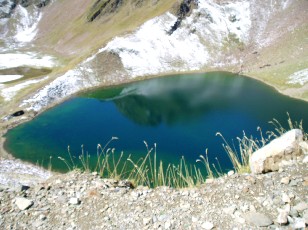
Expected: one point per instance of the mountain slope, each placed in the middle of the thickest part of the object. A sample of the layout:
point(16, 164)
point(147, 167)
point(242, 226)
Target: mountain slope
point(103, 42)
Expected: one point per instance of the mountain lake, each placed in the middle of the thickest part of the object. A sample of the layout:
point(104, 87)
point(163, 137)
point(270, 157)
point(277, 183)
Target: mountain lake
point(180, 115)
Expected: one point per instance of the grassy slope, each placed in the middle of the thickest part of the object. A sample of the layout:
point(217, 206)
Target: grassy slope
point(72, 36)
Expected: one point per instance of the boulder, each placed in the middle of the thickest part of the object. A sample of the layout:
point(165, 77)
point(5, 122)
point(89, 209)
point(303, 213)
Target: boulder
point(284, 148)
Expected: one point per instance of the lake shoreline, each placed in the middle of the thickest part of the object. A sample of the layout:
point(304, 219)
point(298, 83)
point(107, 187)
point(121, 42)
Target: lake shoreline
point(31, 115)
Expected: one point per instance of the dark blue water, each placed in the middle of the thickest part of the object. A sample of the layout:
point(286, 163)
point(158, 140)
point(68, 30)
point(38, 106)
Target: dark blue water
point(181, 114)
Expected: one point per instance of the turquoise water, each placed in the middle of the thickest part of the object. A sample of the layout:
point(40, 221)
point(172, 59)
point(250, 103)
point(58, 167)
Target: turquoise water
point(181, 114)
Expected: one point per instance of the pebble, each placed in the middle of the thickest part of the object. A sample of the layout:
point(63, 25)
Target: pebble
point(258, 219)
point(74, 201)
point(23, 203)
point(301, 206)
point(147, 221)
point(299, 223)
point(209, 181)
point(230, 173)
point(293, 183)
point(285, 198)
point(305, 216)
point(282, 217)
point(285, 180)
point(230, 210)
point(207, 225)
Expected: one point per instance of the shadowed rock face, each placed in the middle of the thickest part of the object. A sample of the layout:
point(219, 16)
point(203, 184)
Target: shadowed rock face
point(37, 3)
point(7, 6)
point(183, 10)
point(102, 7)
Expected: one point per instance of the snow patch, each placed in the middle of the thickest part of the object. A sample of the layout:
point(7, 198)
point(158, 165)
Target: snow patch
point(27, 27)
point(62, 87)
point(14, 173)
point(299, 77)
point(12, 60)
point(8, 78)
point(10, 92)
point(152, 50)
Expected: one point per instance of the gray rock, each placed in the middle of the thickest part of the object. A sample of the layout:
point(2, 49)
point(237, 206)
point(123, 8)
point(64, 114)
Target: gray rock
point(230, 173)
point(299, 223)
point(285, 180)
point(285, 198)
point(6, 8)
point(207, 225)
point(282, 217)
point(284, 148)
point(304, 147)
point(293, 183)
point(230, 210)
point(305, 216)
point(74, 201)
point(147, 221)
point(23, 203)
point(258, 219)
point(293, 212)
point(300, 207)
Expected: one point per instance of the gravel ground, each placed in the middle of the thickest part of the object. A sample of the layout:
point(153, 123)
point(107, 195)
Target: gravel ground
point(277, 200)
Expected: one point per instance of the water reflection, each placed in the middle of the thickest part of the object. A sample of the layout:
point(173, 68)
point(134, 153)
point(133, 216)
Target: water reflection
point(175, 99)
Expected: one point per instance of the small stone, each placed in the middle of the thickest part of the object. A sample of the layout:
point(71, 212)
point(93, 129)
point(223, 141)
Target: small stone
point(42, 217)
point(291, 196)
point(230, 173)
point(185, 207)
point(230, 210)
point(237, 197)
point(24, 188)
point(287, 208)
point(293, 183)
point(304, 147)
point(305, 216)
point(244, 208)
point(293, 213)
point(251, 179)
point(285, 180)
point(147, 221)
point(23, 203)
point(290, 220)
point(305, 160)
point(282, 217)
point(301, 206)
point(252, 208)
point(299, 223)
point(285, 198)
point(167, 224)
point(207, 225)
point(194, 219)
point(239, 219)
point(74, 201)
point(258, 219)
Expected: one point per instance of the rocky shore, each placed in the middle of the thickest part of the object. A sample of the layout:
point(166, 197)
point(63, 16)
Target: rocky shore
point(76, 200)
point(277, 200)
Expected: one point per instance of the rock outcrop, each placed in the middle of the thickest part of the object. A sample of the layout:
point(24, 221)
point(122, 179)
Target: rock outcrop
point(7, 6)
point(285, 148)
